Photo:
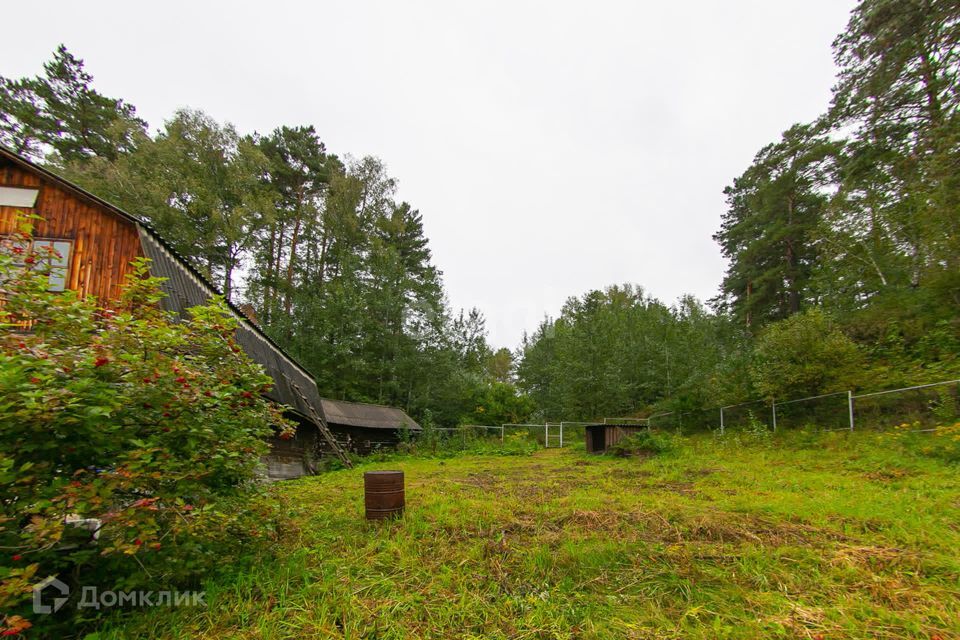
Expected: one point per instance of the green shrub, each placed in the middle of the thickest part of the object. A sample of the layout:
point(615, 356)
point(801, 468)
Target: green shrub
point(644, 443)
point(146, 426)
point(757, 431)
point(804, 355)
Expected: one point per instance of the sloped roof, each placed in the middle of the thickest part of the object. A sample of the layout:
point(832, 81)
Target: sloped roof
point(371, 416)
point(186, 287)
point(184, 290)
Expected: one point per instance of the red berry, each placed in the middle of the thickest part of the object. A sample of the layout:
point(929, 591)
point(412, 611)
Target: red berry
point(30, 260)
point(138, 542)
point(35, 380)
point(99, 362)
point(17, 557)
point(180, 380)
point(188, 507)
point(247, 394)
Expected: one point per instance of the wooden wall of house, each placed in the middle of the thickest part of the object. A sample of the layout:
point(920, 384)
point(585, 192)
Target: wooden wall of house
point(103, 242)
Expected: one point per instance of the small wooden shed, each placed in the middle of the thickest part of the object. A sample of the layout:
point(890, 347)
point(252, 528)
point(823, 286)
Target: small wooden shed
point(599, 437)
point(362, 427)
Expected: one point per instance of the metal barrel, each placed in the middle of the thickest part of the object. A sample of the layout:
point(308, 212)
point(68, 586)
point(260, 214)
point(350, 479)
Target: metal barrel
point(383, 494)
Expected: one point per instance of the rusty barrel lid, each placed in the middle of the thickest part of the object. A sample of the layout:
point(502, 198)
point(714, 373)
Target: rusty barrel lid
point(383, 494)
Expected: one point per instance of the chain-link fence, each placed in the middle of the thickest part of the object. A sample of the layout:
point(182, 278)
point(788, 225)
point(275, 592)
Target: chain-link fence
point(922, 407)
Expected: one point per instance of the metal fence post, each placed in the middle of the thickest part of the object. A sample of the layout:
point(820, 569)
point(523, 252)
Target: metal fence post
point(546, 435)
point(774, 407)
point(721, 420)
point(850, 405)
point(501, 434)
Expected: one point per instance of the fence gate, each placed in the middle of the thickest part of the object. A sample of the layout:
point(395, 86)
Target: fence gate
point(553, 435)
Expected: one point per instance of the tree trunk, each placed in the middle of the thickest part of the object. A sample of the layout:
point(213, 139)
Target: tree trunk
point(793, 293)
point(294, 239)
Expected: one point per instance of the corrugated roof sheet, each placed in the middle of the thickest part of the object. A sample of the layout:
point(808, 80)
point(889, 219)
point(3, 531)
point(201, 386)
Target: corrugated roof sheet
point(184, 290)
point(374, 416)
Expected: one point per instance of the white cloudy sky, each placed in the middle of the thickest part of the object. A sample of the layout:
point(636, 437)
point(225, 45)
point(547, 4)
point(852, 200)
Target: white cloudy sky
point(553, 147)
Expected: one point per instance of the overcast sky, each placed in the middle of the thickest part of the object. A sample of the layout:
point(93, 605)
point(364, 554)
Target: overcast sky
point(552, 147)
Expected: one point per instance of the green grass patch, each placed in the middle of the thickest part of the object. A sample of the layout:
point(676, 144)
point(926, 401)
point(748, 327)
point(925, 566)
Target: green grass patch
point(799, 536)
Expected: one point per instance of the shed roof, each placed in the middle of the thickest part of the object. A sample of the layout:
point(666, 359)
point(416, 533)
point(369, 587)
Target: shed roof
point(373, 416)
point(186, 287)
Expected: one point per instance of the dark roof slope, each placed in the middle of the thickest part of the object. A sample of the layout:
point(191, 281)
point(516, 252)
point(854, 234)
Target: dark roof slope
point(186, 287)
point(185, 290)
point(373, 416)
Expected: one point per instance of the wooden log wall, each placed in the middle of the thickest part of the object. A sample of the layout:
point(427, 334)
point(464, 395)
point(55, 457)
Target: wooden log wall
point(103, 242)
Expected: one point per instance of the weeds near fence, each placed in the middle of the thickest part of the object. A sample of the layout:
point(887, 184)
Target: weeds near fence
point(941, 442)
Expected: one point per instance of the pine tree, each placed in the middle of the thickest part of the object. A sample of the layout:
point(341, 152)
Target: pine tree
point(61, 112)
point(767, 232)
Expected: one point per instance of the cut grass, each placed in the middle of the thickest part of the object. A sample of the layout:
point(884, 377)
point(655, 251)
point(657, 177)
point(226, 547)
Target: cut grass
point(837, 536)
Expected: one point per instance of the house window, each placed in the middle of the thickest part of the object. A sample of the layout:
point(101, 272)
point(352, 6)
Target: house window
point(50, 255)
point(18, 197)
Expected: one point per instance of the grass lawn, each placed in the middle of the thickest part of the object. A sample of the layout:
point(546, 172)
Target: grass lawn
point(833, 536)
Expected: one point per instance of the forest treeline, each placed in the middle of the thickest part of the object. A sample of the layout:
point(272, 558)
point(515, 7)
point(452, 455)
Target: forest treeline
point(316, 247)
point(843, 241)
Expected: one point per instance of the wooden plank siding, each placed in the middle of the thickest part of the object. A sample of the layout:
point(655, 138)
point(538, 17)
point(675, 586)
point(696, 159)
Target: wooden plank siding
point(103, 244)
point(615, 434)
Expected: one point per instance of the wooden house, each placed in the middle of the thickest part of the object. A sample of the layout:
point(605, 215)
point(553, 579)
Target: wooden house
point(599, 437)
point(362, 428)
point(97, 242)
